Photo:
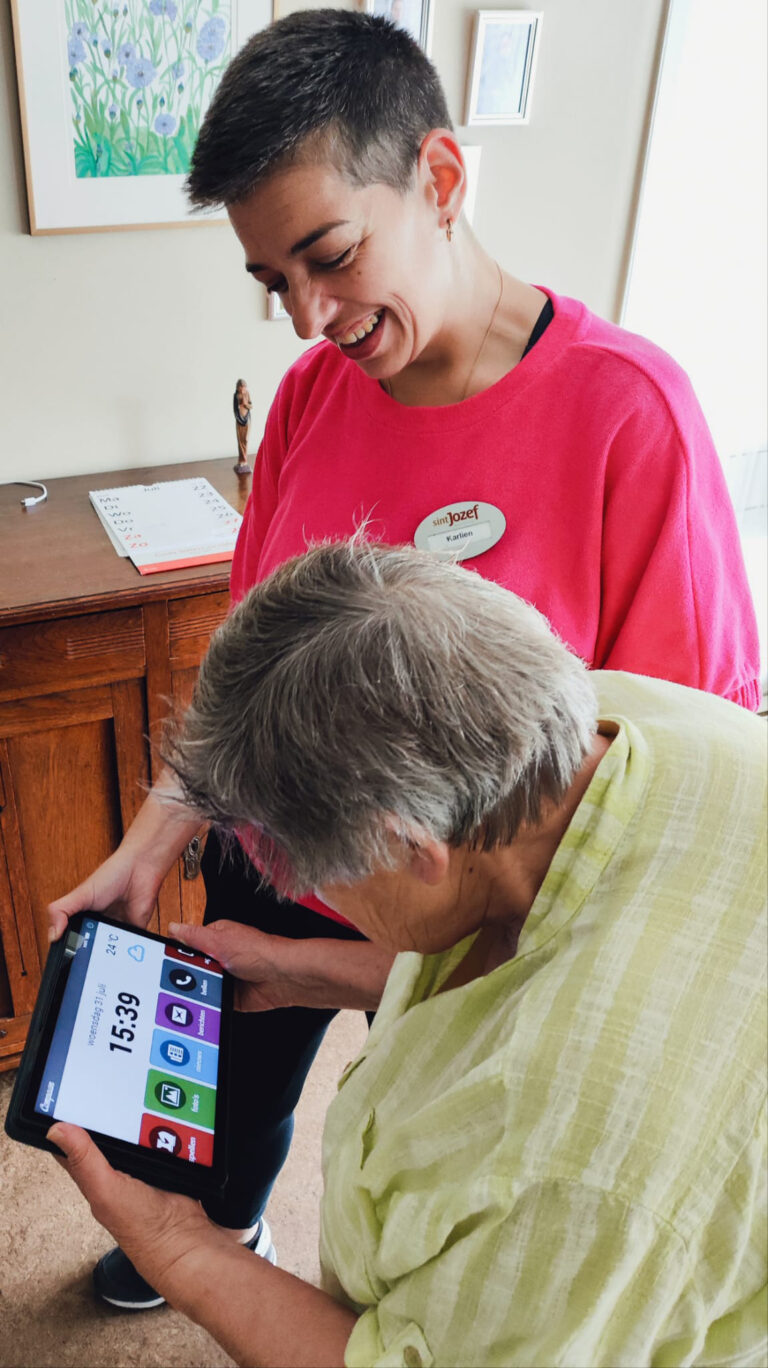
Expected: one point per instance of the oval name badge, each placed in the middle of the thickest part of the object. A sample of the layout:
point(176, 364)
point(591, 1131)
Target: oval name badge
point(461, 530)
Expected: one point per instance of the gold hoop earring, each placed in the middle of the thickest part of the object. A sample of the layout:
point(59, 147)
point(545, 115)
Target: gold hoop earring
point(449, 230)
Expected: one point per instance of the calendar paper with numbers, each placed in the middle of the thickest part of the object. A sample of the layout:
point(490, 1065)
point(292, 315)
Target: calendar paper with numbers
point(168, 525)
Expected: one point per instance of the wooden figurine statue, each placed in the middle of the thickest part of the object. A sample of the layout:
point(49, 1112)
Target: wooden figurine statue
point(242, 405)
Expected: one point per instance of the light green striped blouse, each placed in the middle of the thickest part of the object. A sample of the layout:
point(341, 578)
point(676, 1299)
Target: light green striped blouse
point(564, 1162)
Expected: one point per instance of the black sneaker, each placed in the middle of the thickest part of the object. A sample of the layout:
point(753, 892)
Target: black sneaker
point(116, 1280)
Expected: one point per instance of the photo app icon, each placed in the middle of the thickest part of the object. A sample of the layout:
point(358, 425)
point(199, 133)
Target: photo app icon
point(170, 1095)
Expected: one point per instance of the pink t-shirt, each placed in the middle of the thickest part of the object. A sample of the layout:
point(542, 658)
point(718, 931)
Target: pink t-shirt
point(619, 527)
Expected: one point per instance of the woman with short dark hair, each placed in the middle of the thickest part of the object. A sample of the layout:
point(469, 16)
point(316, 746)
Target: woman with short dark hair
point(451, 404)
point(552, 1148)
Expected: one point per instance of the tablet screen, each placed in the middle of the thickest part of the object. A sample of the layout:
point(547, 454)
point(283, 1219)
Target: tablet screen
point(135, 1050)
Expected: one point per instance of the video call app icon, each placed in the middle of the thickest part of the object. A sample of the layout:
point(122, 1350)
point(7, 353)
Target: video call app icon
point(181, 952)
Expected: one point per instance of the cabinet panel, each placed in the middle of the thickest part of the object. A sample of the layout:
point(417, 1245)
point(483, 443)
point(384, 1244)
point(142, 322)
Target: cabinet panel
point(9, 940)
point(38, 657)
point(68, 809)
point(191, 622)
point(191, 890)
point(23, 715)
point(6, 1001)
point(20, 947)
point(88, 662)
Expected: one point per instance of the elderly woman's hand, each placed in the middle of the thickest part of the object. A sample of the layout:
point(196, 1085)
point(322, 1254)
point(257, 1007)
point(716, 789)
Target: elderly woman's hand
point(262, 964)
point(276, 971)
point(258, 1313)
point(157, 1230)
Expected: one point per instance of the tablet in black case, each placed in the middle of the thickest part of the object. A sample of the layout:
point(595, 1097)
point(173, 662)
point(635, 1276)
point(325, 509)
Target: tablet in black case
point(130, 1039)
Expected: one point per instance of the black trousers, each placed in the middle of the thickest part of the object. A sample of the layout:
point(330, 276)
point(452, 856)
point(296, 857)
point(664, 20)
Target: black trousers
point(272, 1051)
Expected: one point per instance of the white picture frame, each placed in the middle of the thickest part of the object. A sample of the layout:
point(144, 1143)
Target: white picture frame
point(59, 134)
point(275, 310)
point(505, 49)
point(282, 8)
point(415, 16)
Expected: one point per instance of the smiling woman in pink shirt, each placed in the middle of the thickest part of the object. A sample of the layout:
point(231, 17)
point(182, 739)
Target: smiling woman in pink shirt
point(449, 404)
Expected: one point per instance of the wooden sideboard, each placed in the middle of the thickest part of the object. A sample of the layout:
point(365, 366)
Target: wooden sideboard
point(90, 654)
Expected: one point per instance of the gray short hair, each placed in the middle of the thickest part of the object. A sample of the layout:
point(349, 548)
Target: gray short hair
point(362, 684)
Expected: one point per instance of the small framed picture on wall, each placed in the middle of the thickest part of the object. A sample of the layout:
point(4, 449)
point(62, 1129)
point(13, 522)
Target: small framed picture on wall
point(275, 308)
point(415, 16)
point(503, 66)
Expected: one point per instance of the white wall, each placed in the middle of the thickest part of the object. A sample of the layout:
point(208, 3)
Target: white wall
point(121, 349)
point(699, 279)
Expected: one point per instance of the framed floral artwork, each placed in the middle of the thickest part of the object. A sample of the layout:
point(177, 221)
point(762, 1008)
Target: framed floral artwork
point(112, 95)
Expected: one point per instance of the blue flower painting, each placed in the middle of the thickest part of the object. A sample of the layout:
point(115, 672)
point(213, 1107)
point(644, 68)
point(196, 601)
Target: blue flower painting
point(141, 76)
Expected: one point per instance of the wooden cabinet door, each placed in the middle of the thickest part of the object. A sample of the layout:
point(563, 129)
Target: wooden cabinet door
point(177, 638)
point(73, 771)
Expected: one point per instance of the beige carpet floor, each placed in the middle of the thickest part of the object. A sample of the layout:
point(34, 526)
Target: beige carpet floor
point(49, 1243)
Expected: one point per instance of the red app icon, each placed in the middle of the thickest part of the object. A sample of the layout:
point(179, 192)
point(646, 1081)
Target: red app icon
point(179, 952)
point(173, 1137)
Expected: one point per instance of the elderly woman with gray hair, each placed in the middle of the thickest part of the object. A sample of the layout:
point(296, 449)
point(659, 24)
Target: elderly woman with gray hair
point(552, 1148)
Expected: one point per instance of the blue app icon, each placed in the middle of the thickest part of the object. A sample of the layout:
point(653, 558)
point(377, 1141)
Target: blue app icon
point(193, 1059)
point(173, 1052)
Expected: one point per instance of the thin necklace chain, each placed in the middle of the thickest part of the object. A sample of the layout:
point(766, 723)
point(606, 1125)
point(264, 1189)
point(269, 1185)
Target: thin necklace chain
point(387, 384)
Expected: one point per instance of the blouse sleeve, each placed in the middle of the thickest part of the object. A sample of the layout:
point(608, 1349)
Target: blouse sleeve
point(560, 1273)
point(675, 602)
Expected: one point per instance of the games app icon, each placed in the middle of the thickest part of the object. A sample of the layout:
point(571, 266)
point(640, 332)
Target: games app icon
point(175, 1137)
point(163, 1138)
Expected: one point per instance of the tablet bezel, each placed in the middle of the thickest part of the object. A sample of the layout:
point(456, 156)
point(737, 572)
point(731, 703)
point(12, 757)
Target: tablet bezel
point(156, 1167)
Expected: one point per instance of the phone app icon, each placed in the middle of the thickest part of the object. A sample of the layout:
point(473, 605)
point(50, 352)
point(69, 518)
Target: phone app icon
point(193, 982)
point(170, 1095)
point(163, 1138)
point(182, 980)
point(174, 1053)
